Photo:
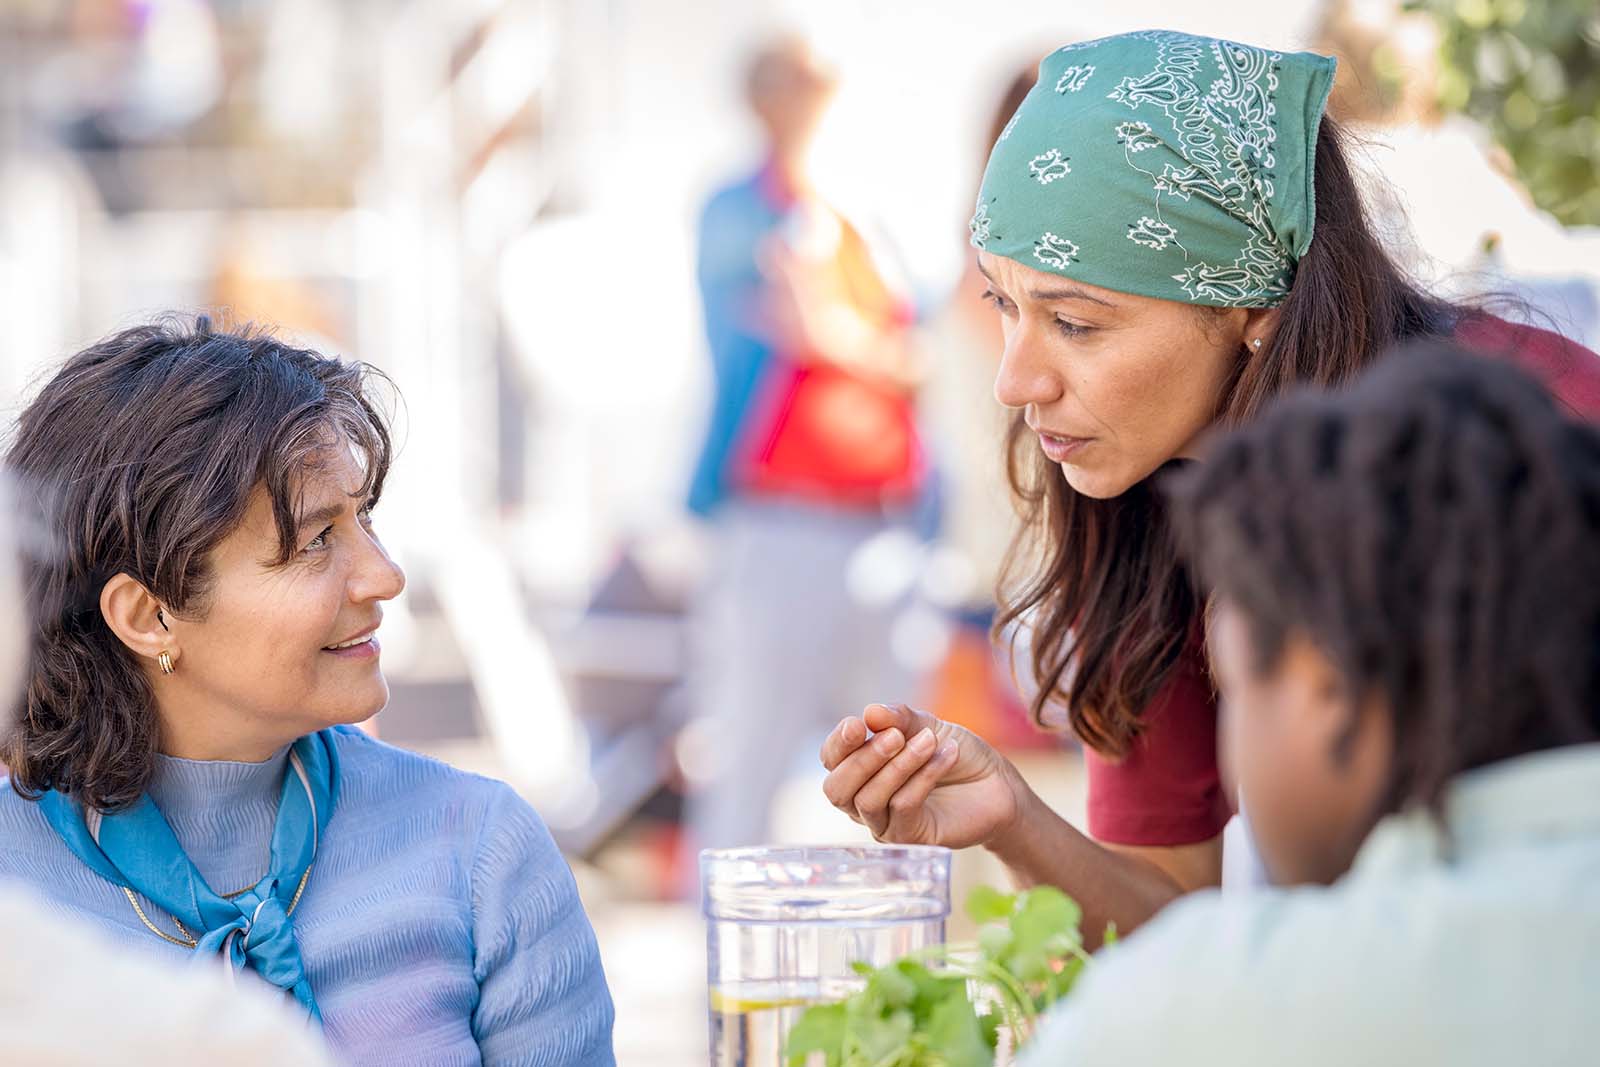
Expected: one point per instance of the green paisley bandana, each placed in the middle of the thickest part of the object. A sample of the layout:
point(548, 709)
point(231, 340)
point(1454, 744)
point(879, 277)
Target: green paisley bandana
point(1161, 164)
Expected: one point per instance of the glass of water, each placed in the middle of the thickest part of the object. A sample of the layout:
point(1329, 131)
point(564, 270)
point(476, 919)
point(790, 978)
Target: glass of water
point(784, 926)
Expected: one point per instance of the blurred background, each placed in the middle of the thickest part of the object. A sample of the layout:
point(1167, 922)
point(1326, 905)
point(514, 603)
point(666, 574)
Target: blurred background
point(647, 571)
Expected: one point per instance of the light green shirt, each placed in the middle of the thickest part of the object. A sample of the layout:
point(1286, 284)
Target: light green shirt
point(1487, 954)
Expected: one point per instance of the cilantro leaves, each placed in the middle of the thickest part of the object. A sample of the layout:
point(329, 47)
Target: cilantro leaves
point(951, 1005)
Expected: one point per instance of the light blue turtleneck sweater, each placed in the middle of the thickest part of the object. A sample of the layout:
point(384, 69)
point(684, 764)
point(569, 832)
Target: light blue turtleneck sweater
point(439, 926)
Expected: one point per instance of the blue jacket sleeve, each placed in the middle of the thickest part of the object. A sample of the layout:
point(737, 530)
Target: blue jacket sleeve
point(732, 227)
point(542, 995)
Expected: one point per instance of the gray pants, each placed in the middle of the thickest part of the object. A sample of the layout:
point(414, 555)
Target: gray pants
point(787, 645)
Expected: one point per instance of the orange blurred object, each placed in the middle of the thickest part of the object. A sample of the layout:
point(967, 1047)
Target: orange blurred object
point(972, 688)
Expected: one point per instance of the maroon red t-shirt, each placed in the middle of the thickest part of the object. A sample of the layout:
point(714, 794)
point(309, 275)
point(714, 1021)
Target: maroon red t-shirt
point(1167, 791)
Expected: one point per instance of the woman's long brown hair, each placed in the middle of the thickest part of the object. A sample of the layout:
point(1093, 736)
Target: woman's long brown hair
point(1097, 584)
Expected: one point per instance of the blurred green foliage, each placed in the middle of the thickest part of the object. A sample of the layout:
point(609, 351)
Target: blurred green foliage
point(1530, 71)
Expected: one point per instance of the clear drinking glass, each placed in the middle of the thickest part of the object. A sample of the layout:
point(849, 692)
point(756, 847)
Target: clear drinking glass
point(785, 924)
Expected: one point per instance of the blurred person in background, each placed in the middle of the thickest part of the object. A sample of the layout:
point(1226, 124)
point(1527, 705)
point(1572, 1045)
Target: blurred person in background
point(812, 452)
point(1172, 235)
point(1405, 623)
point(182, 775)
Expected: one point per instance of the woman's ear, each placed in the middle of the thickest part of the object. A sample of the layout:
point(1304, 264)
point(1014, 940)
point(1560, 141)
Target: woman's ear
point(1259, 325)
point(137, 618)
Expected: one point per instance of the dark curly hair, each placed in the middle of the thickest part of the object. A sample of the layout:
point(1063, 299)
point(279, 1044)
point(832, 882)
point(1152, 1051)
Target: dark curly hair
point(1435, 529)
point(140, 455)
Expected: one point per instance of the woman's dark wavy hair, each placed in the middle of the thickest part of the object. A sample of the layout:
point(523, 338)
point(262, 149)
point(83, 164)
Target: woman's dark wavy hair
point(140, 455)
point(1098, 584)
point(1435, 530)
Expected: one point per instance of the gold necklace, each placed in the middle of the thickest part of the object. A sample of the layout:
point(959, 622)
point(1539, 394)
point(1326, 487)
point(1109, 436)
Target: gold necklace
point(187, 939)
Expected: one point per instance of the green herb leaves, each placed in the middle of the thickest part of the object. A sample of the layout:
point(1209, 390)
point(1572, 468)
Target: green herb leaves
point(951, 1005)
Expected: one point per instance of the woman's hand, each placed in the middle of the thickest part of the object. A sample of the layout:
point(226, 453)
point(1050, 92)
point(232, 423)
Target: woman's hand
point(950, 788)
point(913, 779)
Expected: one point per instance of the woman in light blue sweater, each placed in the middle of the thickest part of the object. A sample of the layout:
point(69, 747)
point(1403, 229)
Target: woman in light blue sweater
point(183, 775)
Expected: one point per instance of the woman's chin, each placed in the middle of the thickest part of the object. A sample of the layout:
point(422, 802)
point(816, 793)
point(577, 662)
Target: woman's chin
point(1095, 483)
point(359, 707)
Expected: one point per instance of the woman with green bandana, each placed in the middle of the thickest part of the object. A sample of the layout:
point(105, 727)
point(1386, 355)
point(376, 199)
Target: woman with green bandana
point(1172, 235)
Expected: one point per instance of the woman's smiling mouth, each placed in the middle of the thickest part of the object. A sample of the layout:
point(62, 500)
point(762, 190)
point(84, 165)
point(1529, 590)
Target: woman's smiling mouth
point(359, 647)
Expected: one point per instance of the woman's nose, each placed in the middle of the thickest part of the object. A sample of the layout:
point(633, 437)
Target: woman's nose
point(1026, 375)
point(378, 577)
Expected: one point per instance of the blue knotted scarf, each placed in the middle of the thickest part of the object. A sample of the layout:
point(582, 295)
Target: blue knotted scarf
point(136, 849)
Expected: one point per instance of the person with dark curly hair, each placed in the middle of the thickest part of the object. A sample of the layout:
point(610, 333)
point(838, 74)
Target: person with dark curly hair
point(1403, 583)
point(184, 775)
point(1172, 234)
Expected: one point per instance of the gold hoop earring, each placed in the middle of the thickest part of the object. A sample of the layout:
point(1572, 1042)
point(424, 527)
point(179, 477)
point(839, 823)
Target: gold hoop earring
point(165, 659)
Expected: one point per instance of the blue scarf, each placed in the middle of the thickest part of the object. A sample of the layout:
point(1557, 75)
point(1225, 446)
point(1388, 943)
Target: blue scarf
point(136, 849)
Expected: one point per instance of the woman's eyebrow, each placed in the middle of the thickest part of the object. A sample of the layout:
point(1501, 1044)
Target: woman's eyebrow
point(325, 514)
point(1069, 292)
point(1065, 292)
